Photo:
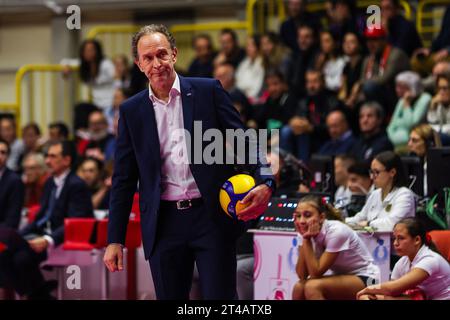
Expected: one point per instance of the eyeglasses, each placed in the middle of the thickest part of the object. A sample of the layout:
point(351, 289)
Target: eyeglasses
point(415, 140)
point(443, 88)
point(375, 172)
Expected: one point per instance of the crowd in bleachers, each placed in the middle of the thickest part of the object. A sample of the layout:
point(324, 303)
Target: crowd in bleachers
point(335, 89)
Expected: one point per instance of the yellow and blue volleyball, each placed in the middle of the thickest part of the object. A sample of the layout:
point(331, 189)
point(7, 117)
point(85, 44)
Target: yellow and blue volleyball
point(234, 190)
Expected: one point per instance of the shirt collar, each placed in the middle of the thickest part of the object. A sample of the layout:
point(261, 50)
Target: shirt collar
point(173, 91)
point(59, 181)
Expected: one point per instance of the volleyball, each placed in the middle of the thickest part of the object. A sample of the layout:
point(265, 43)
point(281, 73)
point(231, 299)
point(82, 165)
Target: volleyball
point(234, 190)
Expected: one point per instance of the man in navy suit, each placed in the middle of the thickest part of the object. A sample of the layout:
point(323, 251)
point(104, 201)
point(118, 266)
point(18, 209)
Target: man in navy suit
point(180, 215)
point(65, 195)
point(11, 191)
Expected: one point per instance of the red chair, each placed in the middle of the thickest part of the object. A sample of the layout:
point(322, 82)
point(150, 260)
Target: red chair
point(441, 238)
point(133, 241)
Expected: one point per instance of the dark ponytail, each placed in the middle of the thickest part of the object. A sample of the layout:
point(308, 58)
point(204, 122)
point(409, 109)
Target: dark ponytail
point(323, 206)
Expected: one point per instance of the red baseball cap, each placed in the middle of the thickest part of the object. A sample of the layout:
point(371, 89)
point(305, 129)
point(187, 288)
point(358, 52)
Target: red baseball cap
point(374, 32)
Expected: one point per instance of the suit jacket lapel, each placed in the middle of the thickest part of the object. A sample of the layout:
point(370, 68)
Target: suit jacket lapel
point(150, 131)
point(187, 99)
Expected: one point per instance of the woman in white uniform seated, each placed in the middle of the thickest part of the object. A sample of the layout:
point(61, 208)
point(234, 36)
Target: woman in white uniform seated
point(420, 267)
point(333, 261)
point(391, 201)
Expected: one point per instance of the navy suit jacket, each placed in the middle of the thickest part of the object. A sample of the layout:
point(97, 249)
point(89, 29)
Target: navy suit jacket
point(74, 201)
point(137, 157)
point(12, 193)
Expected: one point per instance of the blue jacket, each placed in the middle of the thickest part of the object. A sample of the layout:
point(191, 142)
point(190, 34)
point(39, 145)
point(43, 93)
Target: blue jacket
point(12, 193)
point(137, 157)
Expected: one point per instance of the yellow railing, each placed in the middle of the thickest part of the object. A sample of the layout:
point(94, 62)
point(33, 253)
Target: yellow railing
point(45, 115)
point(422, 15)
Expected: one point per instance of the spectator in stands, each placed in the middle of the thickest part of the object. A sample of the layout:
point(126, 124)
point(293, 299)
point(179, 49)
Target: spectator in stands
point(99, 137)
point(81, 119)
point(230, 52)
point(275, 54)
point(122, 72)
point(438, 115)
point(439, 68)
point(352, 48)
point(302, 60)
point(402, 33)
point(98, 72)
point(307, 131)
point(278, 108)
point(330, 61)
point(373, 139)
point(120, 95)
point(420, 268)
point(360, 185)
point(202, 65)
point(225, 73)
point(58, 131)
point(65, 195)
point(425, 58)
point(34, 177)
point(392, 200)
point(341, 136)
point(95, 70)
point(92, 172)
point(298, 15)
point(421, 139)
point(343, 194)
point(16, 147)
point(31, 134)
point(11, 191)
point(329, 245)
point(250, 72)
point(411, 108)
point(345, 19)
point(380, 68)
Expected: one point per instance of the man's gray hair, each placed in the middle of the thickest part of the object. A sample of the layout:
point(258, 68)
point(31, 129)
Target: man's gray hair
point(379, 111)
point(150, 29)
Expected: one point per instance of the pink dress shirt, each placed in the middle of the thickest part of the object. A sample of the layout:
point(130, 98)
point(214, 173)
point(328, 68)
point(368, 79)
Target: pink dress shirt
point(176, 177)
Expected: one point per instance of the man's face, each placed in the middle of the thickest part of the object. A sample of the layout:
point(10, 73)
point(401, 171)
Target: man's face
point(340, 172)
point(275, 87)
point(3, 155)
point(55, 161)
point(313, 83)
point(225, 75)
point(295, 7)
point(356, 182)
point(227, 43)
point(54, 134)
point(7, 130)
point(375, 45)
point(30, 138)
point(388, 9)
point(157, 60)
point(336, 125)
point(368, 120)
point(202, 47)
point(90, 173)
point(32, 170)
point(305, 38)
point(97, 123)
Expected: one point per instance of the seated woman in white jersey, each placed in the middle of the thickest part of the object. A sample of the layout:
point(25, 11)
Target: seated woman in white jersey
point(420, 267)
point(333, 262)
point(391, 201)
